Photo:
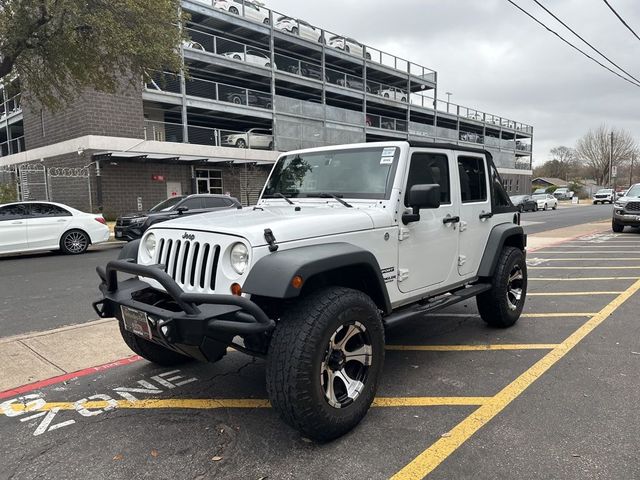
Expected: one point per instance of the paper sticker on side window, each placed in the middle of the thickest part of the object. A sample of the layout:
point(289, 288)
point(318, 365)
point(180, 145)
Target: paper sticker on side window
point(386, 160)
point(389, 152)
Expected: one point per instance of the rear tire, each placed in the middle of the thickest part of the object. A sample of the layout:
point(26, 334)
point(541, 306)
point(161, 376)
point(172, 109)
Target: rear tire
point(151, 351)
point(241, 144)
point(617, 227)
point(311, 382)
point(501, 306)
point(74, 242)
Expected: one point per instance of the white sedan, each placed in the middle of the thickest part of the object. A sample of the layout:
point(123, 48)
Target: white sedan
point(299, 27)
point(349, 45)
point(252, 11)
point(251, 56)
point(30, 226)
point(545, 201)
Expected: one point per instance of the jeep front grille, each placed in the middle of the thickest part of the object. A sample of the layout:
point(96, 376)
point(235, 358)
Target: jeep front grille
point(633, 207)
point(192, 265)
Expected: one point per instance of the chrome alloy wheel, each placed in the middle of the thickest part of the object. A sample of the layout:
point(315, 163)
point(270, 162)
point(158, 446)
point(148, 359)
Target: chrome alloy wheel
point(345, 367)
point(75, 242)
point(514, 287)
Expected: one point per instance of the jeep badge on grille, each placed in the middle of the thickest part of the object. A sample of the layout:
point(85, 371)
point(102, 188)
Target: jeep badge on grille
point(188, 236)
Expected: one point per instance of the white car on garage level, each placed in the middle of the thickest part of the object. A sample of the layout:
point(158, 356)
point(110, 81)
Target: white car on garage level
point(545, 201)
point(394, 94)
point(253, 138)
point(252, 11)
point(31, 226)
point(299, 27)
point(349, 45)
point(256, 57)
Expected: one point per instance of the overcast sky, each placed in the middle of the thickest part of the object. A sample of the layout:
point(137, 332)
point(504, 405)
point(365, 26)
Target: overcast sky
point(494, 58)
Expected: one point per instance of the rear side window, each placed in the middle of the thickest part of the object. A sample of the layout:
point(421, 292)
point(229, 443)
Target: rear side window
point(192, 203)
point(215, 202)
point(40, 210)
point(473, 179)
point(12, 212)
point(429, 168)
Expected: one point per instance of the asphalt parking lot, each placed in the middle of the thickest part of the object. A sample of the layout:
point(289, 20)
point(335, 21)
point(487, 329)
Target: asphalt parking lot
point(553, 397)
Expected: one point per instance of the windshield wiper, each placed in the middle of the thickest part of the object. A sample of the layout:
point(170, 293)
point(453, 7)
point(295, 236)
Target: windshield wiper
point(280, 195)
point(330, 195)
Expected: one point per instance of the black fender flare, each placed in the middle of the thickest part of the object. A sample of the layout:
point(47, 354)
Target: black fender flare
point(130, 250)
point(501, 235)
point(271, 275)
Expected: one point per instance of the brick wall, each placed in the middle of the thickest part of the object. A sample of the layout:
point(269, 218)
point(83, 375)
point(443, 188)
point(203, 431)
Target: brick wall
point(91, 113)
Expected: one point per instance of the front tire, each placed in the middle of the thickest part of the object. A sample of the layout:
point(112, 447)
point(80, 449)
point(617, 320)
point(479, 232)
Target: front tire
point(502, 305)
point(241, 144)
point(617, 227)
point(74, 242)
point(324, 362)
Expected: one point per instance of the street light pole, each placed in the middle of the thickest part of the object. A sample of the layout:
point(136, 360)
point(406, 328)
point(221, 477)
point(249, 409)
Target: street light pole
point(633, 157)
point(610, 158)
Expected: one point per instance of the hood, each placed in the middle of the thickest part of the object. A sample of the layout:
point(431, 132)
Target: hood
point(285, 222)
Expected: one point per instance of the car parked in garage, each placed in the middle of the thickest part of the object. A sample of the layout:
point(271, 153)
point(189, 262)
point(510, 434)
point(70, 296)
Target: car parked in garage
point(524, 203)
point(33, 226)
point(132, 225)
point(348, 45)
point(252, 11)
point(256, 57)
point(300, 28)
point(545, 201)
point(253, 138)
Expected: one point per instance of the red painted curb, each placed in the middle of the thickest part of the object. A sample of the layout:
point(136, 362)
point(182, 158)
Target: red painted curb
point(567, 240)
point(68, 376)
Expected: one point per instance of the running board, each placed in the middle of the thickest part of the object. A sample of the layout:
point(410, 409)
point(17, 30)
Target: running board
point(437, 303)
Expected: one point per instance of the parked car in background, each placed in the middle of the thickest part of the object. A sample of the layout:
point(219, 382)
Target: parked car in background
point(626, 210)
point(252, 11)
point(299, 27)
point(545, 201)
point(604, 195)
point(539, 191)
point(563, 193)
point(32, 226)
point(394, 94)
point(348, 45)
point(524, 203)
point(250, 97)
point(131, 226)
point(253, 138)
point(257, 57)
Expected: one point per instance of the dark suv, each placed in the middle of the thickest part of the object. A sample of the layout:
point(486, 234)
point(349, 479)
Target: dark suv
point(132, 225)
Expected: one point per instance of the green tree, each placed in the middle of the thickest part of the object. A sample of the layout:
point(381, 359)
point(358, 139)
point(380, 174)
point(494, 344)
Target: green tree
point(59, 47)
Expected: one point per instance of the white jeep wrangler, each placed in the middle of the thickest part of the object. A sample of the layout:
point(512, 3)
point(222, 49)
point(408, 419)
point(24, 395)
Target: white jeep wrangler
point(345, 242)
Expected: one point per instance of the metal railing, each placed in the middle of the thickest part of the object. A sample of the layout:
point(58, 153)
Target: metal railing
point(11, 106)
point(387, 91)
point(215, 137)
point(221, 92)
point(231, 49)
point(14, 145)
point(386, 123)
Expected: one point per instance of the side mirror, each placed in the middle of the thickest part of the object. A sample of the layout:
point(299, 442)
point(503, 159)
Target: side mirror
point(181, 210)
point(421, 196)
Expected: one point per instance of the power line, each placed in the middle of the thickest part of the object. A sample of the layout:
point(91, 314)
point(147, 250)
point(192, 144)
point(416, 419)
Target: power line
point(571, 44)
point(581, 38)
point(621, 19)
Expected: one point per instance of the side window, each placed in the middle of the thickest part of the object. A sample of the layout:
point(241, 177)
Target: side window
point(473, 179)
point(192, 203)
point(215, 202)
point(500, 199)
point(12, 212)
point(39, 210)
point(429, 168)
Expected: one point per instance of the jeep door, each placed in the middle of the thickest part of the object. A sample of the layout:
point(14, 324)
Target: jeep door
point(428, 250)
point(475, 210)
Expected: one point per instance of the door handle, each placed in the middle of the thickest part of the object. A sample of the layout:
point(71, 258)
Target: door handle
point(450, 220)
point(485, 215)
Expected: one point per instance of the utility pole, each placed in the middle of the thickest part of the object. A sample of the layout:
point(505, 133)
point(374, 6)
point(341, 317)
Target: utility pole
point(610, 159)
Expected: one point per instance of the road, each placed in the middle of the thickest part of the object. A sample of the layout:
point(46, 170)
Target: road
point(49, 290)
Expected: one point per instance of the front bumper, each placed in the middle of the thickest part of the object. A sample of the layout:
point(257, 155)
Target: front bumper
point(632, 220)
point(129, 232)
point(193, 324)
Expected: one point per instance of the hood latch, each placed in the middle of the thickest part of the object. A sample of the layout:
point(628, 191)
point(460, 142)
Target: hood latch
point(270, 239)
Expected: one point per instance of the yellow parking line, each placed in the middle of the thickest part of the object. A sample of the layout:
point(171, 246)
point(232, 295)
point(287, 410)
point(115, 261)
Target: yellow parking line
point(434, 455)
point(568, 294)
point(578, 279)
point(611, 267)
point(212, 404)
point(471, 348)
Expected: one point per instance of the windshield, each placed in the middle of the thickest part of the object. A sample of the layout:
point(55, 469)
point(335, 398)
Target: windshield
point(353, 173)
point(167, 204)
point(634, 191)
point(604, 191)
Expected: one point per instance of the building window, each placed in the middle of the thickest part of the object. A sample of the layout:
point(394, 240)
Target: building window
point(209, 181)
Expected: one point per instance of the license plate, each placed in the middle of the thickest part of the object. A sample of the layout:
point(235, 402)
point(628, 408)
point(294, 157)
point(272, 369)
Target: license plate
point(118, 234)
point(136, 322)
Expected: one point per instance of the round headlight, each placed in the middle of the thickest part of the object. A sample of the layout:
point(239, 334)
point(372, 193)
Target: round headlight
point(150, 244)
point(239, 258)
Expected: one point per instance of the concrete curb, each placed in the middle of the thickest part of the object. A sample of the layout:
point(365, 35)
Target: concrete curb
point(32, 357)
